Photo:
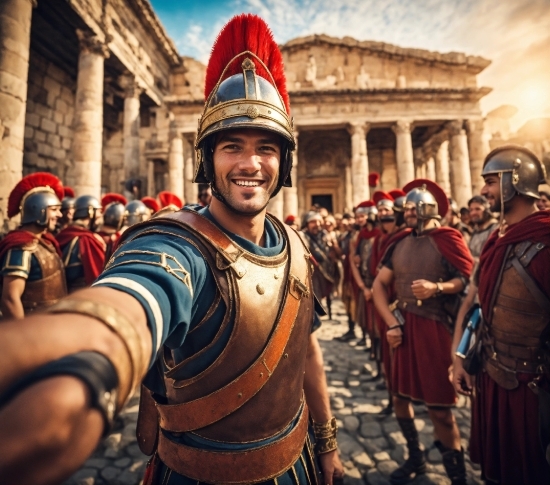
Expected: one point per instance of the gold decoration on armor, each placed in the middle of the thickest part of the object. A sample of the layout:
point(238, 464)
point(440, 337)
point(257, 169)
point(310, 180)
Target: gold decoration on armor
point(325, 436)
point(129, 379)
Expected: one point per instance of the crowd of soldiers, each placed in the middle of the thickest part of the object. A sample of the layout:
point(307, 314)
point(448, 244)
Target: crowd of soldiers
point(211, 309)
point(63, 242)
point(407, 266)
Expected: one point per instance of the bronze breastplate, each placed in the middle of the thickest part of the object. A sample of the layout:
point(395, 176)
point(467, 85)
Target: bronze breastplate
point(415, 258)
point(52, 287)
point(513, 337)
point(254, 289)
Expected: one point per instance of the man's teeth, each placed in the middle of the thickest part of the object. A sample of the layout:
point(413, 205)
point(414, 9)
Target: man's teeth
point(247, 183)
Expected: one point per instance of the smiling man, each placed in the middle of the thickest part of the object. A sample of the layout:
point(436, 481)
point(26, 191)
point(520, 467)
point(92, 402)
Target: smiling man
point(212, 309)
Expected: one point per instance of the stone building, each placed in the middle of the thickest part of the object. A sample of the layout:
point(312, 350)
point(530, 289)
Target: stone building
point(95, 92)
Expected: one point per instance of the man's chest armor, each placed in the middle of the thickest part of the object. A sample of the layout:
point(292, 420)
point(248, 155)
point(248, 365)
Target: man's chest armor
point(365, 250)
point(52, 287)
point(515, 334)
point(416, 258)
point(258, 377)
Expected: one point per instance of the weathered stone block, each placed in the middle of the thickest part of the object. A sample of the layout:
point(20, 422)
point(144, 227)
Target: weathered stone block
point(371, 430)
point(351, 423)
point(66, 143)
point(58, 117)
point(59, 153)
point(32, 119)
point(39, 135)
point(44, 111)
point(45, 149)
point(52, 86)
point(56, 74)
point(29, 132)
point(54, 140)
point(48, 125)
point(67, 95)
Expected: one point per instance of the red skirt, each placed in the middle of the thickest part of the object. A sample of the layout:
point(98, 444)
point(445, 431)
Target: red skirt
point(504, 436)
point(420, 366)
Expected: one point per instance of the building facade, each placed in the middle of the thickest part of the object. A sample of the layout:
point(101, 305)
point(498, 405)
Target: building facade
point(95, 92)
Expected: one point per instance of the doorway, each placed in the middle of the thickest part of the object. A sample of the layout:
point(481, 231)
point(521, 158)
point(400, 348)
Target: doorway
point(323, 200)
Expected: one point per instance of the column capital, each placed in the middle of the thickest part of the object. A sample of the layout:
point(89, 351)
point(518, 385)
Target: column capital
point(455, 127)
point(90, 42)
point(474, 124)
point(358, 128)
point(129, 84)
point(401, 127)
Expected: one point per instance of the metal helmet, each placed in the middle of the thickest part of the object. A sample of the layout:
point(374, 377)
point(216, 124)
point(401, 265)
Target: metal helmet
point(428, 198)
point(113, 215)
point(453, 206)
point(519, 169)
point(34, 208)
point(399, 204)
point(134, 212)
point(86, 206)
point(67, 203)
point(369, 209)
point(244, 88)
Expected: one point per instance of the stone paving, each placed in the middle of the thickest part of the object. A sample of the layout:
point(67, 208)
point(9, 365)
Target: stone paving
point(370, 447)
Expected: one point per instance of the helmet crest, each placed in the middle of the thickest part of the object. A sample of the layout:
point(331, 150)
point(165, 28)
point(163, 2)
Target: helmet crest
point(33, 183)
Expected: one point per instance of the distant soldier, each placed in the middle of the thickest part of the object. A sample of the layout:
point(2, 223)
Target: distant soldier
point(32, 270)
point(512, 393)
point(134, 212)
point(67, 209)
point(453, 219)
point(83, 249)
point(484, 224)
point(151, 204)
point(113, 206)
point(169, 203)
point(429, 268)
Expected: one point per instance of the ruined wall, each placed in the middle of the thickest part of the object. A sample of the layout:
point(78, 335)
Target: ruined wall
point(49, 118)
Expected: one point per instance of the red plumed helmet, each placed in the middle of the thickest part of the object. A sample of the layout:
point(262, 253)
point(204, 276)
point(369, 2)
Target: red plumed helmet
point(168, 198)
point(381, 195)
point(246, 32)
point(435, 190)
point(290, 219)
point(112, 197)
point(374, 178)
point(33, 182)
point(68, 192)
point(151, 204)
point(396, 193)
point(366, 203)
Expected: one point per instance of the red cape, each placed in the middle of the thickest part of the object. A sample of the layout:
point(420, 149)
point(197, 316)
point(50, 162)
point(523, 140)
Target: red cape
point(20, 237)
point(92, 250)
point(534, 228)
point(366, 234)
point(453, 248)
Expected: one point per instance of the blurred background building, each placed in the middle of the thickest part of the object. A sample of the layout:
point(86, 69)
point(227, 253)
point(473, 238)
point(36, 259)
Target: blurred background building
point(95, 92)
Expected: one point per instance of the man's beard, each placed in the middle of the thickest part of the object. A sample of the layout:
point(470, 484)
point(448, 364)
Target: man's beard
point(224, 195)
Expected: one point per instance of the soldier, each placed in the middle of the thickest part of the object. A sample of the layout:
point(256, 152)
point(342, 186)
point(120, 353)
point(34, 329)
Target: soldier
point(83, 249)
point(453, 219)
point(359, 250)
point(484, 224)
point(544, 202)
point(429, 268)
point(169, 203)
point(113, 207)
point(217, 302)
point(135, 212)
point(32, 270)
point(151, 204)
point(514, 293)
point(67, 209)
point(324, 253)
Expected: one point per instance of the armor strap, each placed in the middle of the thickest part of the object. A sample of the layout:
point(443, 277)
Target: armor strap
point(255, 465)
point(530, 283)
point(213, 407)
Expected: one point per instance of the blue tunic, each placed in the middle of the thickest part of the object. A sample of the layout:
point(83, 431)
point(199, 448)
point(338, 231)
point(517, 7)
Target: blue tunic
point(174, 284)
point(21, 262)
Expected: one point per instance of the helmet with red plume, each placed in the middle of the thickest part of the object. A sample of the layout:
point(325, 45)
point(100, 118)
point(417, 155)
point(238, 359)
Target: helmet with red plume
point(429, 199)
point(245, 87)
point(368, 208)
point(169, 199)
point(398, 199)
point(151, 204)
point(111, 198)
point(374, 179)
point(33, 195)
point(382, 198)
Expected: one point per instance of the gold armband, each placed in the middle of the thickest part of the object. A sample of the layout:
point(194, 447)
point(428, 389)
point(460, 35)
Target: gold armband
point(325, 436)
point(129, 379)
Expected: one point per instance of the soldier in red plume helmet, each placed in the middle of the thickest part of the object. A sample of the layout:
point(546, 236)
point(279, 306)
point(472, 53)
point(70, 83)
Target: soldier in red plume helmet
point(210, 309)
point(32, 271)
point(424, 273)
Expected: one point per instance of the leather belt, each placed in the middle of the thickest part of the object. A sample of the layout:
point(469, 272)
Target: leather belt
point(257, 464)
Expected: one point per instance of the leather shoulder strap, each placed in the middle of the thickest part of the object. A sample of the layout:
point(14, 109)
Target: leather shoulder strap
point(209, 409)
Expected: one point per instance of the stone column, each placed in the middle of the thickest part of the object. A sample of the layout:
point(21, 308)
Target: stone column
point(419, 164)
point(478, 145)
point(191, 189)
point(151, 179)
point(359, 162)
point(130, 128)
point(290, 194)
point(15, 38)
point(175, 163)
point(276, 206)
point(348, 196)
point(429, 161)
point(460, 163)
point(88, 115)
point(442, 171)
point(403, 152)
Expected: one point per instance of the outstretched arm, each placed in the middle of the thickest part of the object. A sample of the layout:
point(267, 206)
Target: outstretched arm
point(317, 399)
point(52, 423)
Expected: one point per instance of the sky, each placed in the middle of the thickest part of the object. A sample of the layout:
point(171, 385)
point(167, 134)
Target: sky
point(513, 34)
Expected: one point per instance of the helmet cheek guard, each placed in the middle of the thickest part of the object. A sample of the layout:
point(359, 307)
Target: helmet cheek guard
point(35, 207)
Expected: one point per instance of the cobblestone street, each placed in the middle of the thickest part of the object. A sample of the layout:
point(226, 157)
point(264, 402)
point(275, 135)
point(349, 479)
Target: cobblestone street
point(371, 448)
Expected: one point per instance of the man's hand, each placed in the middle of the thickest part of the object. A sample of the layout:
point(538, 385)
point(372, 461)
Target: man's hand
point(331, 467)
point(368, 294)
point(395, 337)
point(423, 289)
point(462, 381)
